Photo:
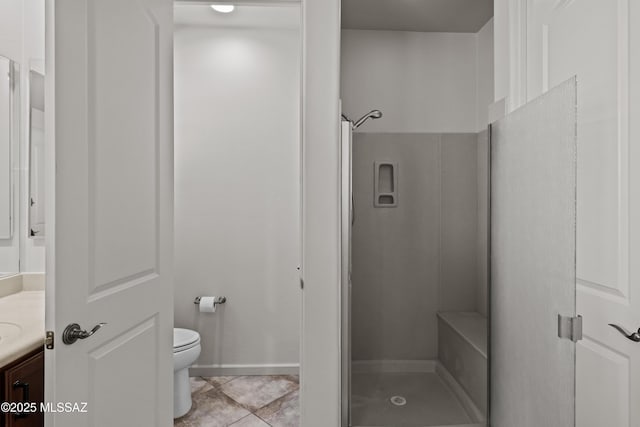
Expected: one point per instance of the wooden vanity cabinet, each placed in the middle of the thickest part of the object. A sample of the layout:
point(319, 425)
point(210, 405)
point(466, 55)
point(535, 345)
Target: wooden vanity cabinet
point(23, 381)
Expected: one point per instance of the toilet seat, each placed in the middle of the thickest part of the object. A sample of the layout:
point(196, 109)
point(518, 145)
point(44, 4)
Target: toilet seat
point(184, 339)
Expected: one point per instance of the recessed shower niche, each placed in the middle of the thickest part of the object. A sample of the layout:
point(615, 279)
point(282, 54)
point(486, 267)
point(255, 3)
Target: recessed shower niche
point(386, 184)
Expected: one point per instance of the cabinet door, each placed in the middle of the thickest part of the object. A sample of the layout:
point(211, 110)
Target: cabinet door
point(25, 383)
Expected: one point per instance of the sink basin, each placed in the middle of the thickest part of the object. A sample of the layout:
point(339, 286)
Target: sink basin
point(8, 330)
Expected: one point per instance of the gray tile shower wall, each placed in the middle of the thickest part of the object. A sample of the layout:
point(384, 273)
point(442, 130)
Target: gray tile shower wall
point(418, 258)
point(395, 249)
point(459, 222)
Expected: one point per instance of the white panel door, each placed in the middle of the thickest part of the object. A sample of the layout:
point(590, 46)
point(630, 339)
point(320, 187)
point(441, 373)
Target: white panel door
point(599, 41)
point(110, 202)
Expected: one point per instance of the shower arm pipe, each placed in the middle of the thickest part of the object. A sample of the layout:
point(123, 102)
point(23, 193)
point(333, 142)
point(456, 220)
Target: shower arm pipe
point(373, 114)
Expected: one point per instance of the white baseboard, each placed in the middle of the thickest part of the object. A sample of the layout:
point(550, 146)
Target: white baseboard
point(231, 370)
point(474, 412)
point(370, 366)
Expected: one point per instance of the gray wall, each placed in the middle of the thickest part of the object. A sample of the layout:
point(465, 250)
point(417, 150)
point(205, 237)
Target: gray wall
point(459, 223)
point(237, 206)
point(422, 82)
point(417, 258)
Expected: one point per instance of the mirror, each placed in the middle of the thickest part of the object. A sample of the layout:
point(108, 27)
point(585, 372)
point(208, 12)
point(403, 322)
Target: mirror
point(9, 165)
point(36, 155)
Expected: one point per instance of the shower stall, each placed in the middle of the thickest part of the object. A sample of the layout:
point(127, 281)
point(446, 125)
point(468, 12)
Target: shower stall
point(409, 318)
point(419, 346)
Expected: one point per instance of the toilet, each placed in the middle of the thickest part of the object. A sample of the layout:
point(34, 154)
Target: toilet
point(186, 349)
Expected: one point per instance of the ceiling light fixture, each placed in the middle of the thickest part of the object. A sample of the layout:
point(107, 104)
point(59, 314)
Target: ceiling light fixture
point(223, 8)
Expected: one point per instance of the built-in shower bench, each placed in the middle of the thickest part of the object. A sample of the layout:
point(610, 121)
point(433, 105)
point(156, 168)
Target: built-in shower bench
point(462, 351)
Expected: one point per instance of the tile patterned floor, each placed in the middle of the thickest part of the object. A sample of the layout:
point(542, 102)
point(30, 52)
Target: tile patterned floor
point(246, 401)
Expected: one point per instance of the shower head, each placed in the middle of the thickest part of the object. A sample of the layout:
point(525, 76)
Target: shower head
point(373, 114)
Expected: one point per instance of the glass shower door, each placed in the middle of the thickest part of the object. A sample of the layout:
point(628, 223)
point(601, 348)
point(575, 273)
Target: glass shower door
point(533, 263)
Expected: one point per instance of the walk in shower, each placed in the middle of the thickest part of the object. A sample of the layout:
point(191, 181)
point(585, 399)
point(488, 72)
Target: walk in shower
point(410, 357)
point(415, 212)
point(409, 243)
point(444, 224)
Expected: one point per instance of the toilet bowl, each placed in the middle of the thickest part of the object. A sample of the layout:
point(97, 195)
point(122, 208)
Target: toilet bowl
point(186, 349)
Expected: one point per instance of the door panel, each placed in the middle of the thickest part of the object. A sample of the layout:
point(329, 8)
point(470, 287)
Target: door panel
point(124, 240)
point(599, 42)
point(113, 356)
point(570, 48)
point(533, 211)
point(109, 259)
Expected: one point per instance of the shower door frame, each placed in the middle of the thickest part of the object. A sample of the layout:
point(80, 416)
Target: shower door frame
point(346, 221)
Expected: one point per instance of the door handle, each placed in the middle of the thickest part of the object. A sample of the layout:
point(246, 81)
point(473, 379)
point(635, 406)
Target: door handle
point(73, 333)
point(25, 397)
point(635, 336)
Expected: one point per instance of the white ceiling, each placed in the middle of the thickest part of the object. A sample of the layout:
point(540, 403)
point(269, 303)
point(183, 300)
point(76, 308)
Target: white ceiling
point(453, 16)
point(244, 16)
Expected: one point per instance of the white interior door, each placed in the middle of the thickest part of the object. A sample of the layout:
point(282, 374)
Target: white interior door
point(110, 205)
point(599, 41)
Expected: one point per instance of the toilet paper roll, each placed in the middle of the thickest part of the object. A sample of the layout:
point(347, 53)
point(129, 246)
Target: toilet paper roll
point(207, 305)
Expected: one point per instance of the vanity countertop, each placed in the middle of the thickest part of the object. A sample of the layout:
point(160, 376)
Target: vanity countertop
point(21, 323)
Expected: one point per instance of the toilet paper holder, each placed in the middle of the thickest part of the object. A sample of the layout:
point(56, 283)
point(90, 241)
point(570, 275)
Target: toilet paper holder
point(219, 300)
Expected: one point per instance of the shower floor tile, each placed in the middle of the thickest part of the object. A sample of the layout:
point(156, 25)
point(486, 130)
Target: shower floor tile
point(429, 402)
